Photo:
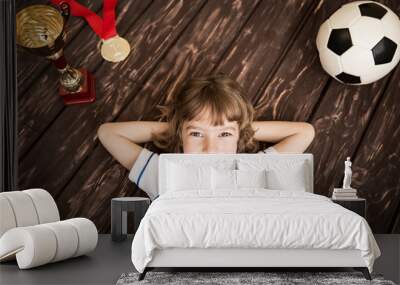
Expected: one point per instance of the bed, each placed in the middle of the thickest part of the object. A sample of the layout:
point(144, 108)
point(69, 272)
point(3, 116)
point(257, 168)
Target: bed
point(247, 210)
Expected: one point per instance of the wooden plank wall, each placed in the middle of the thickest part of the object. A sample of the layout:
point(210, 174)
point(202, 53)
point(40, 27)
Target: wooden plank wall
point(267, 46)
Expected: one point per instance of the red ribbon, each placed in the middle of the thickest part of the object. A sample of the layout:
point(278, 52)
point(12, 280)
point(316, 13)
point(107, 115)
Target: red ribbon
point(104, 28)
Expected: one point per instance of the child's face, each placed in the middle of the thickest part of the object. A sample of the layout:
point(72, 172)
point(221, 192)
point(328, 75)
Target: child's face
point(199, 136)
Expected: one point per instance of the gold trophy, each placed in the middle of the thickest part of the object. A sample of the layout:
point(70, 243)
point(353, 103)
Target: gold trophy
point(41, 30)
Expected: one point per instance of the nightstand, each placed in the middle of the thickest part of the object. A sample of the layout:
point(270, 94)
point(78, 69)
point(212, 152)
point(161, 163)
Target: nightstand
point(358, 206)
point(119, 208)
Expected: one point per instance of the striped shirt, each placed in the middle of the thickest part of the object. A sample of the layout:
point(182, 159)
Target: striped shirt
point(144, 171)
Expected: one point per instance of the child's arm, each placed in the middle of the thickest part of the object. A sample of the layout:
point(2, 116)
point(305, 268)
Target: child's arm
point(121, 139)
point(288, 136)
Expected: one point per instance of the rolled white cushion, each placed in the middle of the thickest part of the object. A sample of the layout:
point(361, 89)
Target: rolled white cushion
point(26, 208)
point(87, 234)
point(33, 246)
point(23, 208)
point(67, 240)
point(45, 205)
point(41, 244)
point(7, 218)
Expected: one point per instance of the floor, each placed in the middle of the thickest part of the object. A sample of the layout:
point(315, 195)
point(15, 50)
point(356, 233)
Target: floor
point(103, 266)
point(110, 259)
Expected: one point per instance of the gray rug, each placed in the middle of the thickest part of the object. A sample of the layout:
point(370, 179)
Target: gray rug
point(230, 278)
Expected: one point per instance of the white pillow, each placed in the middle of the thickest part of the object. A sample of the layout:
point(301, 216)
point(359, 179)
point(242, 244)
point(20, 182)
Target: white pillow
point(235, 179)
point(290, 178)
point(223, 164)
point(224, 179)
point(182, 177)
point(281, 174)
point(219, 163)
point(251, 178)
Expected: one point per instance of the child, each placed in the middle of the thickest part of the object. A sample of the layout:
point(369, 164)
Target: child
point(210, 114)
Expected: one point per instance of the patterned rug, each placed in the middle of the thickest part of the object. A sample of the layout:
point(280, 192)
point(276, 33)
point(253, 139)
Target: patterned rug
point(242, 278)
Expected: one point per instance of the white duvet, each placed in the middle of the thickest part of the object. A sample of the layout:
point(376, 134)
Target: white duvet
point(251, 218)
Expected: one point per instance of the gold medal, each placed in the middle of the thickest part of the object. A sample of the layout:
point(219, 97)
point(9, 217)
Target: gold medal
point(115, 49)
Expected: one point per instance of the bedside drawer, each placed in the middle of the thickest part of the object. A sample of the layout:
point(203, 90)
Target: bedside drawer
point(358, 206)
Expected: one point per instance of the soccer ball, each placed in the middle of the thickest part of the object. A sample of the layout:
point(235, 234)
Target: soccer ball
point(360, 42)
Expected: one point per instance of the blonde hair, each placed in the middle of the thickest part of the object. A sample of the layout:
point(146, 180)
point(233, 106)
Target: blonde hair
point(218, 93)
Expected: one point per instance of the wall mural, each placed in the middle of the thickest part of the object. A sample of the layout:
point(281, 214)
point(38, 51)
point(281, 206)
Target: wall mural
point(332, 65)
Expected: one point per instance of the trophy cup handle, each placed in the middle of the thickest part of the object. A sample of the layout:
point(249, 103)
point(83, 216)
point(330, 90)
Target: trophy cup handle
point(65, 11)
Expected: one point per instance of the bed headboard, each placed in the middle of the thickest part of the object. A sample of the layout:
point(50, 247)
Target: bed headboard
point(215, 159)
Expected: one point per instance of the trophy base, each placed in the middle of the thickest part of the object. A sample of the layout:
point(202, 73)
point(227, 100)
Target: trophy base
point(86, 94)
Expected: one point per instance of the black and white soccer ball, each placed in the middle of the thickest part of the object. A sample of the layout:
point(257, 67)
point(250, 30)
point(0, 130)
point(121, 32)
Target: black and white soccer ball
point(360, 42)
